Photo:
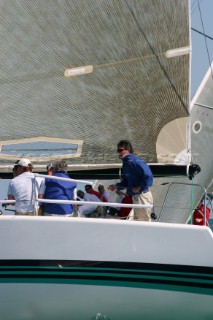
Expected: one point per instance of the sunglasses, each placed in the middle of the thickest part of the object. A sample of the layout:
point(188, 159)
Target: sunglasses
point(120, 150)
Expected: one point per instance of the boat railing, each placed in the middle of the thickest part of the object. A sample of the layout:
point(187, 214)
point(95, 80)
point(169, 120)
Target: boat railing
point(7, 201)
point(75, 202)
point(60, 178)
point(185, 184)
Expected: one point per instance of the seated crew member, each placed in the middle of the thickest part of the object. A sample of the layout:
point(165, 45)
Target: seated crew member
point(124, 211)
point(88, 210)
point(102, 210)
point(23, 188)
point(89, 189)
point(199, 214)
point(113, 211)
point(58, 190)
point(103, 192)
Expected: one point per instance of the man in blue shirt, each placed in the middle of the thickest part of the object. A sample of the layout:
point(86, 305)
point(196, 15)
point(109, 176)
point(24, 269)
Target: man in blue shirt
point(58, 190)
point(137, 179)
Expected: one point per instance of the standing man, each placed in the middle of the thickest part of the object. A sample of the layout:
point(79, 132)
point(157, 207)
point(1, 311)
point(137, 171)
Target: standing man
point(58, 190)
point(15, 169)
point(137, 179)
point(23, 188)
point(49, 169)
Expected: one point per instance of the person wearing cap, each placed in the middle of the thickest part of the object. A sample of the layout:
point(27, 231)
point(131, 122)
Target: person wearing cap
point(58, 190)
point(23, 188)
point(15, 169)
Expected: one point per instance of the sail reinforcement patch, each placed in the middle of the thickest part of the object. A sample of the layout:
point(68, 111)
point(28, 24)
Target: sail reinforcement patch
point(40, 148)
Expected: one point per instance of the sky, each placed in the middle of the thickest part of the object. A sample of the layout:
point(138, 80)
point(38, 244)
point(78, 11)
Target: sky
point(202, 52)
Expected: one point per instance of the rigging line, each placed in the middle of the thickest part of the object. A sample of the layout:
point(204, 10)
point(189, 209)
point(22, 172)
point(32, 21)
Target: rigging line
point(123, 61)
point(203, 34)
point(57, 74)
point(157, 58)
point(195, 6)
point(203, 106)
point(207, 49)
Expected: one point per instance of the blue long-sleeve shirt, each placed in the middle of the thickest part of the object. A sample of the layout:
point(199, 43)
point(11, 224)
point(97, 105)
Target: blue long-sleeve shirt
point(136, 173)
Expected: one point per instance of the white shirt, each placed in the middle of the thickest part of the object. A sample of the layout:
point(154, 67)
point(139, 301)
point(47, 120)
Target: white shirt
point(24, 188)
point(107, 195)
point(86, 209)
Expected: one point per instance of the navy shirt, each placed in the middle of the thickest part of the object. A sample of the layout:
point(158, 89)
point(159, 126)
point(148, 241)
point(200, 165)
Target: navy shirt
point(136, 173)
point(60, 190)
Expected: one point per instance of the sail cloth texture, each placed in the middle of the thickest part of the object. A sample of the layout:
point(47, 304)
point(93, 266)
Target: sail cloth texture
point(131, 92)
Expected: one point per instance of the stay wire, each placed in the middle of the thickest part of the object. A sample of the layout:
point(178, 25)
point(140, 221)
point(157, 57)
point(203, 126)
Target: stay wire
point(203, 34)
point(194, 6)
point(201, 18)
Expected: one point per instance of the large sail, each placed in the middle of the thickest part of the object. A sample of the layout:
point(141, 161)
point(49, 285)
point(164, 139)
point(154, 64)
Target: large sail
point(78, 76)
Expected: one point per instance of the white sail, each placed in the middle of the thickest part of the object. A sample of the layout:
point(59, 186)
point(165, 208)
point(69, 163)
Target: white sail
point(129, 61)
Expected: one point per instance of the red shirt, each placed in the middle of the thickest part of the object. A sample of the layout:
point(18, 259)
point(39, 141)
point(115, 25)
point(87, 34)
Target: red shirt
point(97, 194)
point(198, 216)
point(124, 212)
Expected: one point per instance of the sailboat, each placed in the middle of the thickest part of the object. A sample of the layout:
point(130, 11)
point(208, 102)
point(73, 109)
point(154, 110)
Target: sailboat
point(78, 76)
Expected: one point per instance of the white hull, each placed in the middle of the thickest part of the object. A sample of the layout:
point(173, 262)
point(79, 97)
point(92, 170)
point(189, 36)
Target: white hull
point(53, 238)
point(66, 268)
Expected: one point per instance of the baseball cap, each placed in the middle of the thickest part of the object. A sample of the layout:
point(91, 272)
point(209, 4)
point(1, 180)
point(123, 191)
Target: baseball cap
point(24, 162)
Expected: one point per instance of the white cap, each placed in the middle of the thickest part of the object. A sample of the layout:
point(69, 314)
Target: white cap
point(24, 162)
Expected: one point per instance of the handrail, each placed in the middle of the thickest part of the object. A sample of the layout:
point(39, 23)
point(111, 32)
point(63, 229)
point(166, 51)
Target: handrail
point(104, 204)
point(55, 178)
point(7, 201)
point(183, 183)
point(63, 179)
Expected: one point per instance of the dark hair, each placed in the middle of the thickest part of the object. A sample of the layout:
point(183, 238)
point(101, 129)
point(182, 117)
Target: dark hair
point(126, 145)
point(79, 193)
point(88, 187)
point(15, 168)
point(60, 165)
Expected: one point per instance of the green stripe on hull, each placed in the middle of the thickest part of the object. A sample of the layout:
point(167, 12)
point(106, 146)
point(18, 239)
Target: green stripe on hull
point(196, 280)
